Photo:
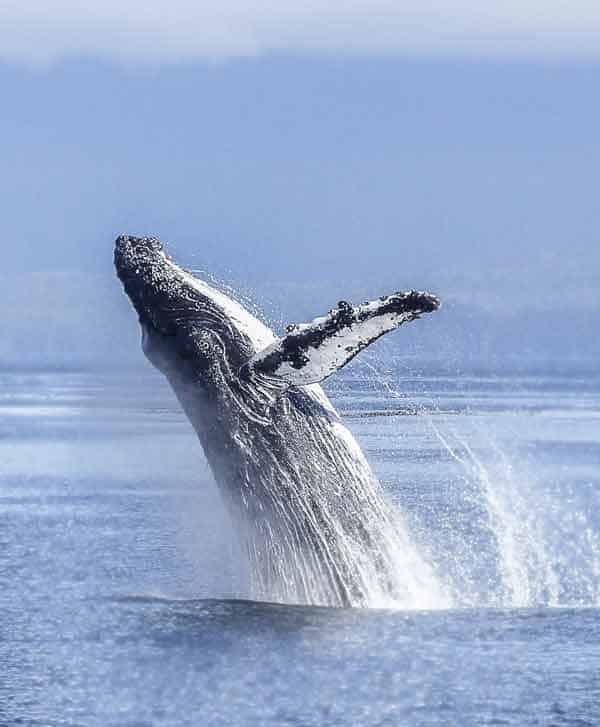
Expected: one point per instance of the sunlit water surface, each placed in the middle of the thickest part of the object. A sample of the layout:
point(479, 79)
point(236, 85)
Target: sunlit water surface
point(122, 583)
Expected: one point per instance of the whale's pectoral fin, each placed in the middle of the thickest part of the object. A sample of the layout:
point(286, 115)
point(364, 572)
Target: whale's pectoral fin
point(310, 352)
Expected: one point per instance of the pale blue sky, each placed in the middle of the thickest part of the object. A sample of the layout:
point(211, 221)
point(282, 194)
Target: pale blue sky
point(306, 171)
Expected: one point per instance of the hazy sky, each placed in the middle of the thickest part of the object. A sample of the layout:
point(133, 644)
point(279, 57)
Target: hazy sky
point(144, 31)
point(306, 151)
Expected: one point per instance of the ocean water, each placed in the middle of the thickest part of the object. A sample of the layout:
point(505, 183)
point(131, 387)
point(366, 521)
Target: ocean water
point(124, 595)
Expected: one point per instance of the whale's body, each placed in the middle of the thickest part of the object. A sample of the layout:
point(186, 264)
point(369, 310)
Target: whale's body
point(311, 513)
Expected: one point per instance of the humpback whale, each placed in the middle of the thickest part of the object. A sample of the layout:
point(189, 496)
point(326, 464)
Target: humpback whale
point(311, 514)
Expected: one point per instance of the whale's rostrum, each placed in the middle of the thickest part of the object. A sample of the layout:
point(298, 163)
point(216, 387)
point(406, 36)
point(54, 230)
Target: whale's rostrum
point(311, 514)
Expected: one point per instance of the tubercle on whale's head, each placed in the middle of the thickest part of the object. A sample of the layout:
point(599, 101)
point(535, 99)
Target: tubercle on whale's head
point(187, 328)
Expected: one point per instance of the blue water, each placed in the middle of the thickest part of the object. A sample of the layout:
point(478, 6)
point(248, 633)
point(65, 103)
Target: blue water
point(123, 588)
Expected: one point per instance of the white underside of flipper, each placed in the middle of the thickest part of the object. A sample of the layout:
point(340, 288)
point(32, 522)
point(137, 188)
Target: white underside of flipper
point(313, 351)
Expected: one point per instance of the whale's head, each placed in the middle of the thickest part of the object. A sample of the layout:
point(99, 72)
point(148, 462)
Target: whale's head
point(190, 330)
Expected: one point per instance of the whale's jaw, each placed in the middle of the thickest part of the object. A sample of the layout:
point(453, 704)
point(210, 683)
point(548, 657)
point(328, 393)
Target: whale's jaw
point(187, 325)
point(150, 280)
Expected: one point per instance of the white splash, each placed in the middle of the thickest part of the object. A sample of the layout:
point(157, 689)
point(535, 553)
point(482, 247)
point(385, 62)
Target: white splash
point(530, 548)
